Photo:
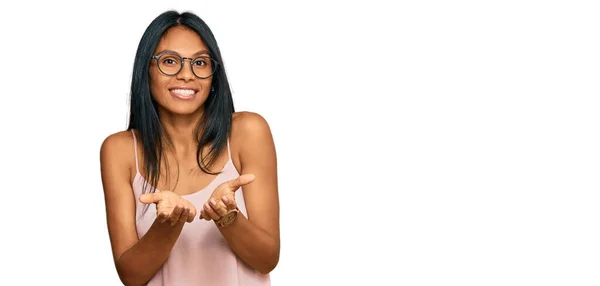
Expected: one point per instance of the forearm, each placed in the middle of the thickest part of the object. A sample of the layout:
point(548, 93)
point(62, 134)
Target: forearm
point(138, 264)
point(253, 245)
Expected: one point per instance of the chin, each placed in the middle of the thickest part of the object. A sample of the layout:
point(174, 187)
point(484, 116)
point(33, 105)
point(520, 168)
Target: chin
point(185, 111)
point(181, 109)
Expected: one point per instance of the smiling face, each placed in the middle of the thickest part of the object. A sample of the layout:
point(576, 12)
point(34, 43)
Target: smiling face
point(183, 93)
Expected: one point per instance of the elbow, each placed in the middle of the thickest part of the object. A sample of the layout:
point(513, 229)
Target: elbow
point(267, 268)
point(127, 282)
point(127, 278)
point(130, 281)
point(265, 271)
point(270, 262)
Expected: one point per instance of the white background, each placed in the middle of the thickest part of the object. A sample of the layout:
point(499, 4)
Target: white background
point(419, 143)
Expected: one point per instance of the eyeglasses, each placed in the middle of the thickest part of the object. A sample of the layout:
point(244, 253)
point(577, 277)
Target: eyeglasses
point(171, 64)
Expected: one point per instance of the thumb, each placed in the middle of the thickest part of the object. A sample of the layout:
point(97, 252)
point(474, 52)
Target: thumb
point(150, 198)
point(241, 180)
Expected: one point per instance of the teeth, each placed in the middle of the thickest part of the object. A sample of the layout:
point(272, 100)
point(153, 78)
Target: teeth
point(184, 92)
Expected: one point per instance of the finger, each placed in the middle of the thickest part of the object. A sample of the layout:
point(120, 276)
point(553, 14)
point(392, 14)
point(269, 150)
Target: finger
point(240, 181)
point(229, 202)
point(204, 215)
point(163, 216)
point(174, 217)
point(184, 214)
point(191, 214)
point(150, 198)
point(218, 207)
point(210, 212)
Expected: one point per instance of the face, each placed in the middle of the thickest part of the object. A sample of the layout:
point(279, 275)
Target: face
point(183, 93)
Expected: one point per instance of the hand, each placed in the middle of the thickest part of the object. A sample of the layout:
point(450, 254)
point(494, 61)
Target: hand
point(222, 200)
point(170, 207)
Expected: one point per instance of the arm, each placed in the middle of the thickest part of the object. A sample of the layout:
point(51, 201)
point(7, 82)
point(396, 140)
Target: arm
point(136, 260)
point(256, 239)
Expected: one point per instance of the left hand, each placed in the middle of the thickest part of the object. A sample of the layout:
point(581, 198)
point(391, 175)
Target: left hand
point(222, 200)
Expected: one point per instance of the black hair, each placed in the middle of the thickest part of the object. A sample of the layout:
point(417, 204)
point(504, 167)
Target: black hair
point(218, 107)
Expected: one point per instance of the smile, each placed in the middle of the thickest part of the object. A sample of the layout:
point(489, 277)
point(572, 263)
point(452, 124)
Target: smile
point(183, 93)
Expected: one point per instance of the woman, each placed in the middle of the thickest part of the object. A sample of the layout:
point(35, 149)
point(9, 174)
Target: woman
point(178, 211)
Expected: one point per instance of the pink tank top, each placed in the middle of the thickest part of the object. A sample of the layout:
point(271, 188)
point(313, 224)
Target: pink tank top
point(201, 256)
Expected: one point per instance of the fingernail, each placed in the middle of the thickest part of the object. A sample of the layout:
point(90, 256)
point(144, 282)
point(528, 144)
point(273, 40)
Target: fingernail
point(225, 199)
point(206, 206)
point(213, 202)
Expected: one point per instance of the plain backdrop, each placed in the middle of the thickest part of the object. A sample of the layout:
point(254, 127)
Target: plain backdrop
point(418, 142)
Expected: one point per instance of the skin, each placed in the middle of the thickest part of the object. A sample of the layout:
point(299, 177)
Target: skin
point(255, 239)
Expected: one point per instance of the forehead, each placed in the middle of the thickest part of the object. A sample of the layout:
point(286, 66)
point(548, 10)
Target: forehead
point(182, 40)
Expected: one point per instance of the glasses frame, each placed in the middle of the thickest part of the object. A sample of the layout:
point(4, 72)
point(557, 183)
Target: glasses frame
point(192, 60)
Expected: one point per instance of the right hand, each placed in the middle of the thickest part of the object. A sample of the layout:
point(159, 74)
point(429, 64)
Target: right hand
point(170, 207)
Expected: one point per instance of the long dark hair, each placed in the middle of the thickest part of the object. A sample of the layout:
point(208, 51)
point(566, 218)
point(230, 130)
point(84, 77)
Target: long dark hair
point(218, 107)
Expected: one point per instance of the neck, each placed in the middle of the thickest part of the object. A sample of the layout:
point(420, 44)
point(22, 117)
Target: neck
point(180, 128)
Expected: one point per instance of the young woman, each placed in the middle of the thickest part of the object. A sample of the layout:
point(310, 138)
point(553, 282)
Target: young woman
point(191, 186)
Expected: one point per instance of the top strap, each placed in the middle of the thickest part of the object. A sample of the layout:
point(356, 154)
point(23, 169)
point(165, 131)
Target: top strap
point(228, 149)
point(135, 151)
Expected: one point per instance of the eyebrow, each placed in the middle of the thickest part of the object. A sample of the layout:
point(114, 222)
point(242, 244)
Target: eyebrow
point(194, 55)
point(202, 52)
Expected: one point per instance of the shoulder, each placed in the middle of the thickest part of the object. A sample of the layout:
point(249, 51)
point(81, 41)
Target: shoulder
point(117, 148)
point(248, 125)
point(117, 141)
point(246, 120)
point(251, 135)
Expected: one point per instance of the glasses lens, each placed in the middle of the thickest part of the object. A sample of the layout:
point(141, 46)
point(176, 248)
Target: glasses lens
point(203, 67)
point(169, 64)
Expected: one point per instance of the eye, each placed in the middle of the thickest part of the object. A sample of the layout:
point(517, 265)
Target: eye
point(169, 60)
point(200, 63)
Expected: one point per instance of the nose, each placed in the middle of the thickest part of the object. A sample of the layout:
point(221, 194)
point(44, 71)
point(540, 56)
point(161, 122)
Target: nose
point(186, 71)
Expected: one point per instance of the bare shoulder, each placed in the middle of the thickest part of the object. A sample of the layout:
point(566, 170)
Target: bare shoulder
point(247, 124)
point(119, 142)
point(250, 136)
point(117, 149)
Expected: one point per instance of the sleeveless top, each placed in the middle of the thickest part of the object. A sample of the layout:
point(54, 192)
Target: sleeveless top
point(201, 256)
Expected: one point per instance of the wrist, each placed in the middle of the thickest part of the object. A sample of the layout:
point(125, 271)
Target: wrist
point(228, 219)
